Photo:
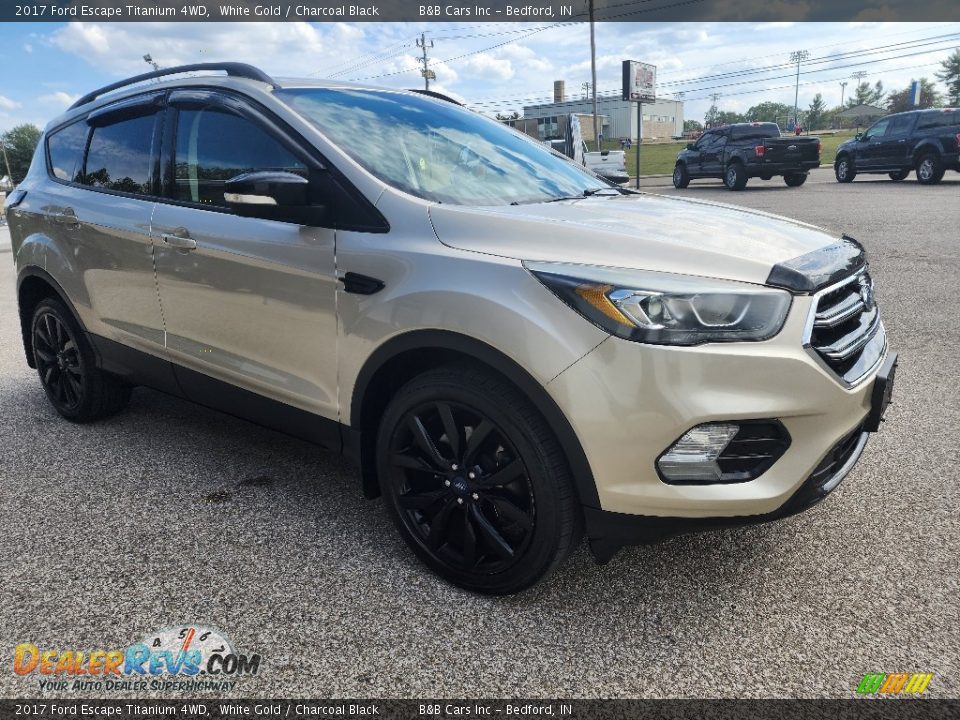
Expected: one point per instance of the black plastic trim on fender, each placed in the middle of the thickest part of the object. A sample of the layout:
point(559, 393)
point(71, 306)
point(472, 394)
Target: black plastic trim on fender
point(33, 271)
point(483, 353)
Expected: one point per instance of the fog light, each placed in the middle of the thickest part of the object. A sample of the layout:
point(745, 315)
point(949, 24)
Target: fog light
point(693, 458)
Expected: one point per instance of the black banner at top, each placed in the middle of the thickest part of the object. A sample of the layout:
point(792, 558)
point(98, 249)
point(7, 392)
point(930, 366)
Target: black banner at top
point(422, 11)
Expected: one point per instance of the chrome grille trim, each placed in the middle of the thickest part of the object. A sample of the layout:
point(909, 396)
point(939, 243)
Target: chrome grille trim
point(833, 308)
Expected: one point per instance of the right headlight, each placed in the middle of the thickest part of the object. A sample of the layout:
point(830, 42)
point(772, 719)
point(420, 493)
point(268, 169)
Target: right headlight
point(666, 308)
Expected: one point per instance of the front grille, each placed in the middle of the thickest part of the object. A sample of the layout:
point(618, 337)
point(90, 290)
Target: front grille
point(847, 333)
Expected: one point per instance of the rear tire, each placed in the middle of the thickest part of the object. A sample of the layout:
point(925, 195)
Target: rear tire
point(66, 364)
point(929, 169)
point(681, 177)
point(898, 176)
point(735, 178)
point(795, 179)
point(844, 169)
point(475, 481)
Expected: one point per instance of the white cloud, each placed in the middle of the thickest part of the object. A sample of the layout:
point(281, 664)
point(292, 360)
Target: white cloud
point(27, 47)
point(490, 67)
point(59, 97)
point(8, 104)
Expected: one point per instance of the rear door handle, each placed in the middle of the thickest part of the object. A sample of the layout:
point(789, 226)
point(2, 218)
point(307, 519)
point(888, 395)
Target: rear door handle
point(66, 217)
point(179, 239)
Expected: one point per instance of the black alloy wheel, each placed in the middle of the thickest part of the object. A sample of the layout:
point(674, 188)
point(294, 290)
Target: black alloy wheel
point(58, 361)
point(66, 364)
point(476, 483)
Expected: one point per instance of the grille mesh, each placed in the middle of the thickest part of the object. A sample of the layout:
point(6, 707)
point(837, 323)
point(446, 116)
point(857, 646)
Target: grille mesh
point(847, 333)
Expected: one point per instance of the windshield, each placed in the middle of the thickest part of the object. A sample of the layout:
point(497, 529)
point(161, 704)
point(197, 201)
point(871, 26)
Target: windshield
point(437, 150)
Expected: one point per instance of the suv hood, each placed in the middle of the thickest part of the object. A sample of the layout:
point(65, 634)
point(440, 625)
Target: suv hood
point(642, 231)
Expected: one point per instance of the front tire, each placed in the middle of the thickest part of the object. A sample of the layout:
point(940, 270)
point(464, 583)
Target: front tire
point(844, 169)
point(795, 179)
point(475, 481)
point(899, 175)
point(735, 178)
point(66, 364)
point(681, 176)
point(929, 169)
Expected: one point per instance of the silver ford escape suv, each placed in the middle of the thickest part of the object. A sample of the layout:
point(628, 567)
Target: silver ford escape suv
point(515, 352)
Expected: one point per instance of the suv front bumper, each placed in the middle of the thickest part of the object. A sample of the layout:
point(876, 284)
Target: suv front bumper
point(628, 402)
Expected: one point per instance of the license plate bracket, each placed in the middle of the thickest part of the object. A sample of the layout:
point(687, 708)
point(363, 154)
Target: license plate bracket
point(882, 393)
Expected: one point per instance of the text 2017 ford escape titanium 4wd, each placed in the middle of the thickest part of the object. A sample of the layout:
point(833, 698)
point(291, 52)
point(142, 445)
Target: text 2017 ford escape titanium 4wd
point(515, 351)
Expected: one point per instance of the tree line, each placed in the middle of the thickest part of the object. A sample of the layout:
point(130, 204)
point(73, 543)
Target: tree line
point(818, 116)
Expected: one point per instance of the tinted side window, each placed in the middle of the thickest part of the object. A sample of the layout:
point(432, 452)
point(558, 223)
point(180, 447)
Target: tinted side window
point(900, 124)
point(944, 118)
point(756, 132)
point(880, 129)
point(66, 148)
point(119, 156)
point(214, 145)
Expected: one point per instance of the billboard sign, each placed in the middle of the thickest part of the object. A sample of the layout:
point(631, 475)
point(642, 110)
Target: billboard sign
point(914, 93)
point(639, 81)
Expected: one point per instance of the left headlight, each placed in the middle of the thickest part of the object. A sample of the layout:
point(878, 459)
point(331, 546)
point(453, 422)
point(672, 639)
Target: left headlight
point(666, 308)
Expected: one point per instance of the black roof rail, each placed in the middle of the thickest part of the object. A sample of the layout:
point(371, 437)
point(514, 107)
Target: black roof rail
point(234, 69)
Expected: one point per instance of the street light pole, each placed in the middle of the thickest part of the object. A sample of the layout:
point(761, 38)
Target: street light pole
point(797, 56)
point(843, 89)
point(593, 78)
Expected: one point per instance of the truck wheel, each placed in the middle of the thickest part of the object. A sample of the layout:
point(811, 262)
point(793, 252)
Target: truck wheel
point(844, 169)
point(929, 170)
point(681, 178)
point(736, 177)
point(898, 176)
point(76, 388)
point(475, 481)
point(795, 179)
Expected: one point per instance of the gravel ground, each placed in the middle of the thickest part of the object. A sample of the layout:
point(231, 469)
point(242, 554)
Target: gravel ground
point(170, 514)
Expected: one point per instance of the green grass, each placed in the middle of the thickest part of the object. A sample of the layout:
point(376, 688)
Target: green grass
point(658, 158)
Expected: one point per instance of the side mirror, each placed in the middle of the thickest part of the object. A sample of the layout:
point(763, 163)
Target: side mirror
point(272, 195)
point(859, 136)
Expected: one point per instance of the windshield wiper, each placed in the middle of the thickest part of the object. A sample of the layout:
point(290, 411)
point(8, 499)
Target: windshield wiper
point(590, 192)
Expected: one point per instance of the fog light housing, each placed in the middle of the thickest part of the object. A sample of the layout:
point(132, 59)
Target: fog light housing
point(693, 458)
point(724, 452)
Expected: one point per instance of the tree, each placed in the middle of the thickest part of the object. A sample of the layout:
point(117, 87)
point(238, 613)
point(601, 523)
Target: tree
point(513, 116)
point(769, 112)
point(817, 114)
point(900, 101)
point(19, 143)
point(692, 126)
point(866, 95)
point(950, 76)
point(726, 117)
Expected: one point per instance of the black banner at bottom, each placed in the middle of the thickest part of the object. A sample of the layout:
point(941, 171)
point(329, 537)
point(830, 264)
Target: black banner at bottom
point(876, 709)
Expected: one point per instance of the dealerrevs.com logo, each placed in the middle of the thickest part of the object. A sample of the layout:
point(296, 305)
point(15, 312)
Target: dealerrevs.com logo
point(181, 658)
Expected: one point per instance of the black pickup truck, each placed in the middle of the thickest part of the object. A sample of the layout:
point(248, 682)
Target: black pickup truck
point(736, 153)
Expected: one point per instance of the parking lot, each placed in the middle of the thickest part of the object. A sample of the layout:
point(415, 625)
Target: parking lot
point(171, 514)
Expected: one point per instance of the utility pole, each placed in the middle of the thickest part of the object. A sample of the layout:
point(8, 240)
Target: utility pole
point(149, 61)
point(843, 89)
point(593, 77)
point(586, 88)
point(6, 160)
point(859, 75)
point(427, 73)
point(798, 56)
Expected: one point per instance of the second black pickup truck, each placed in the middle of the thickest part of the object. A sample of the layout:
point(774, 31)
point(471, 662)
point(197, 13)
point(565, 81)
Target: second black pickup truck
point(736, 153)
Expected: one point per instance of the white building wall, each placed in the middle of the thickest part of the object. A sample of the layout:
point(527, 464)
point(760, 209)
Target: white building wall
point(622, 115)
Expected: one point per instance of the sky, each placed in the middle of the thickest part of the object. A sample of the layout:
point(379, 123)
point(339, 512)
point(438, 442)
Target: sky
point(493, 67)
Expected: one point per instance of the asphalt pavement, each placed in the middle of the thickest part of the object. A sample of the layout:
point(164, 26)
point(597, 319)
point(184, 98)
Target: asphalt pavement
point(170, 514)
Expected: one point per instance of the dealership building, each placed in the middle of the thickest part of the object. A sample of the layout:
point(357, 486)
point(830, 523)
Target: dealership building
point(618, 118)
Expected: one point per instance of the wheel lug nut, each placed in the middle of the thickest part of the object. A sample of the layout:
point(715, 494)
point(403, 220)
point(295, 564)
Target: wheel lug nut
point(475, 496)
point(459, 501)
point(454, 467)
point(446, 483)
point(472, 475)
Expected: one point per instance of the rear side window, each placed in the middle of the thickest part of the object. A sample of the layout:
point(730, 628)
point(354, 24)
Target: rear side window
point(943, 118)
point(900, 124)
point(119, 157)
point(214, 146)
point(65, 148)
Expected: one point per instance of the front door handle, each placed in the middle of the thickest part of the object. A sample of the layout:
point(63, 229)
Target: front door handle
point(179, 239)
